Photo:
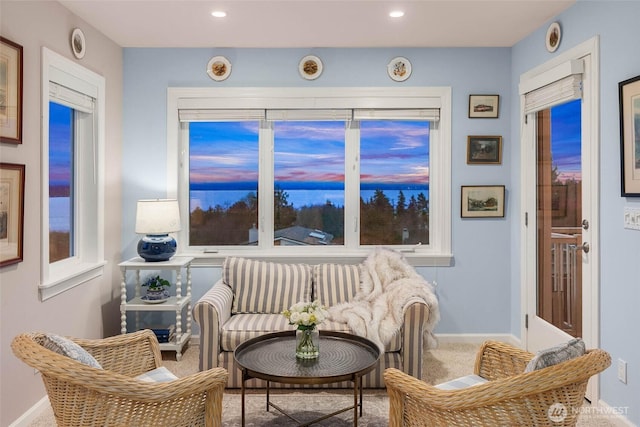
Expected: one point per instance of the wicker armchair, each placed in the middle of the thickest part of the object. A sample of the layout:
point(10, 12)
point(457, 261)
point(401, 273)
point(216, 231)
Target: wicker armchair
point(81, 395)
point(509, 398)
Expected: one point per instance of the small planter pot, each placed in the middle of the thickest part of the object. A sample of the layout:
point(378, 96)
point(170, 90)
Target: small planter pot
point(156, 294)
point(307, 343)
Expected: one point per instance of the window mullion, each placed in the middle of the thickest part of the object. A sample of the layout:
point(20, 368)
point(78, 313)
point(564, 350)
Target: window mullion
point(352, 185)
point(184, 193)
point(266, 185)
point(79, 175)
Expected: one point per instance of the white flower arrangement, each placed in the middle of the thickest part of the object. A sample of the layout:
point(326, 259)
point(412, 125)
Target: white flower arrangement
point(306, 315)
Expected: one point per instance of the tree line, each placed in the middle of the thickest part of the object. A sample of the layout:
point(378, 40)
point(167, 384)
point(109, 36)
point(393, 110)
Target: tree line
point(382, 222)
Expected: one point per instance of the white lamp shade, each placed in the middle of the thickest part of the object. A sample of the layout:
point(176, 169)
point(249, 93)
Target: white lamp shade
point(157, 216)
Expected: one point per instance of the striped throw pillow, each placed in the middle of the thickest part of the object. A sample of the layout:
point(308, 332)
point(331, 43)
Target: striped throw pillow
point(335, 283)
point(265, 287)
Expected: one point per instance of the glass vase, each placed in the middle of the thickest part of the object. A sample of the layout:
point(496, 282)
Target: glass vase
point(307, 343)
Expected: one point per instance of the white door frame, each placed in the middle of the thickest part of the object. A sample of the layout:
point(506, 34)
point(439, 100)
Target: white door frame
point(538, 77)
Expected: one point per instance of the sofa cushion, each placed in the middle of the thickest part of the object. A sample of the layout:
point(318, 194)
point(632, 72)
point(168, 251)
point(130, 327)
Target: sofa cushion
point(265, 287)
point(394, 345)
point(243, 327)
point(558, 354)
point(335, 283)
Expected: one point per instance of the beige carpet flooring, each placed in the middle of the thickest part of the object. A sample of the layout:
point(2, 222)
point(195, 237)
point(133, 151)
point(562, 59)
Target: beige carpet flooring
point(450, 360)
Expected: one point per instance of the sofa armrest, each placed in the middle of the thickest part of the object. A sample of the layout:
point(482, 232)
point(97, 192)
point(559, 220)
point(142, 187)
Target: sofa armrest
point(416, 314)
point(211, 312)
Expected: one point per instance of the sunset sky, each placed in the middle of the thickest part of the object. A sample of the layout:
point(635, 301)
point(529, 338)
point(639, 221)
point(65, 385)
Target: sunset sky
point(392, 152)
point(59, 144)
point(566, 137)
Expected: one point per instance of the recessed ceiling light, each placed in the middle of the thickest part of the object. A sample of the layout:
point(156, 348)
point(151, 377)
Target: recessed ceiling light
point(218, 14)
point(396, 14)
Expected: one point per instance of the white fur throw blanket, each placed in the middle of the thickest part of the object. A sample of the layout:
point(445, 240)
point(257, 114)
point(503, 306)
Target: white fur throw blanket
point(388, 284)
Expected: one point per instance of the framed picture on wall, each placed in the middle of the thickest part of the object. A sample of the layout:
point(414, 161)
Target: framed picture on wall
point(10, 92)
point(11, 213)
point(482, 201)
point(484, 106)
point(629, 94)
point(484, 150)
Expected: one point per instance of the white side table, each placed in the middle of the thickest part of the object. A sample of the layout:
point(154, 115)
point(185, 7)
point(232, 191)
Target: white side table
point(175, 303)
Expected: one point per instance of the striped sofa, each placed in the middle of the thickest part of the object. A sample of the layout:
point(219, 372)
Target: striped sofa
point(247, 301)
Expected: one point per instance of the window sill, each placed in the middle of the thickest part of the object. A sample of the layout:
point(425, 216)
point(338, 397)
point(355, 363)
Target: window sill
point(80, 274)
point(415, 258)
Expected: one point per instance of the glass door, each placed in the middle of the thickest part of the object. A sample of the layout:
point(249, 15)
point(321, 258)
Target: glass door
point(560, 247)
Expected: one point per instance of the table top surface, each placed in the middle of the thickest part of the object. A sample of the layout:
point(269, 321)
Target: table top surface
point(175, 262)
point(272, 357)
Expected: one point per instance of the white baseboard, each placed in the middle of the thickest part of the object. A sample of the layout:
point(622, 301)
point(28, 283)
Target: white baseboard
point(32, 413)
point(479, 338)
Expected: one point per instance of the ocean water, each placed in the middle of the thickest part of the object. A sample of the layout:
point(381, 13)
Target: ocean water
point(59, 214)
point(299, 198)
point(59, 211)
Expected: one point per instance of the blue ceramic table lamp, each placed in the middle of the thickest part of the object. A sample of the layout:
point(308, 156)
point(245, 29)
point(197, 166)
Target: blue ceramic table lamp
point(156, 218)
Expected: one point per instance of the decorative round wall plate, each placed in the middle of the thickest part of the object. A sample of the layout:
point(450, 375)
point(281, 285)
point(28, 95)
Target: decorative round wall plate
point(310, 67)
point(399, 69)
point(553, 37)
point(219, 68)
point(78, 43)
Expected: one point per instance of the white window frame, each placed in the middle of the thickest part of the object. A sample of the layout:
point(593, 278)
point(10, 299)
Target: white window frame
point(87, 262)
point(436, 253)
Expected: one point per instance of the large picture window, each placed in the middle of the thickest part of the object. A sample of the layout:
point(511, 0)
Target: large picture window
point(342, 178)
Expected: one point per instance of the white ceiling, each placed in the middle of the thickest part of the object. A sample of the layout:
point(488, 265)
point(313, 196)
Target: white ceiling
point(316, 23)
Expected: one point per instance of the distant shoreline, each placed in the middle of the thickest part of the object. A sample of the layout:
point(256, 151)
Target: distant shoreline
point(305, 185)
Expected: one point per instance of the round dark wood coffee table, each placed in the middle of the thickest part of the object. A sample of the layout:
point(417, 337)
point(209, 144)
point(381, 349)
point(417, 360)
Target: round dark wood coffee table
point(343, 357)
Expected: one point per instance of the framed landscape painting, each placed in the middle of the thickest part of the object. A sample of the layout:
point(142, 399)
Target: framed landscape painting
point(629, 93)
point(482, 201)
point(10, 92)
point(484, 106)
point(484, 150)
point(11, 213)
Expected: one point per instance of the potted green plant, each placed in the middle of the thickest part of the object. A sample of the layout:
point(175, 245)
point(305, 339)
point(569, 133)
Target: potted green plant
point(156, 288)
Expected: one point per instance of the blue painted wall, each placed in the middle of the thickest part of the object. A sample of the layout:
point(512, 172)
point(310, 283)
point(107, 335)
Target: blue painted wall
point(618, 26)
point(479, 281)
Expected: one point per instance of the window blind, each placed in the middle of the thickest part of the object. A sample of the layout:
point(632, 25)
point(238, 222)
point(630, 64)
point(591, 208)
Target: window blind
point(71, 98)
point(559, 92)
point(307, 114)
point(219, 115)
point(429, 114)
point(205, 115)
point(556, 86)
